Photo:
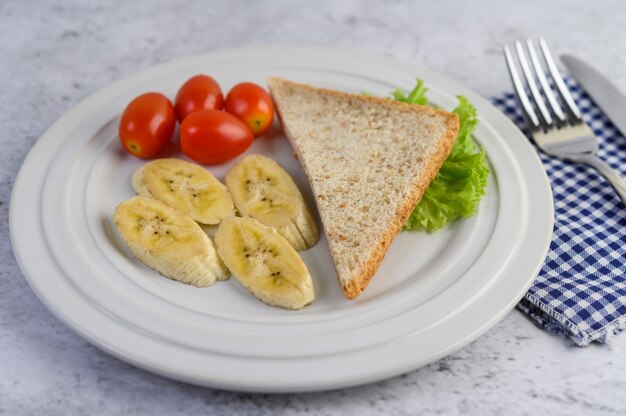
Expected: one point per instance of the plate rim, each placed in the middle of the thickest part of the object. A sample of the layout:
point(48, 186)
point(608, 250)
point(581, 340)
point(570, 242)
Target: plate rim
point(476, 99)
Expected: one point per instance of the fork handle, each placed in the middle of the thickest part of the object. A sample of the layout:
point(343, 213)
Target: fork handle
point(613, 177)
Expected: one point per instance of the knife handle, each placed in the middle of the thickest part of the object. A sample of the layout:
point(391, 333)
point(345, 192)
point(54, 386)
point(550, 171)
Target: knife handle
point(613, 177)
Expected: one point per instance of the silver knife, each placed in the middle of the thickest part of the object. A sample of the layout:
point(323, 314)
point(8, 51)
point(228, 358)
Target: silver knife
point(608, 97)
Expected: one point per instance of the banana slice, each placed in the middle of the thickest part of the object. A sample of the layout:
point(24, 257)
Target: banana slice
point(185, 186)
point(263, 190)
point(169, 242)
point(264, 263)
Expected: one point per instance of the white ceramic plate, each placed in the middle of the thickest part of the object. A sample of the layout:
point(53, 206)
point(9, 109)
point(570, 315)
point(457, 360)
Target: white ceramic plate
point(433, 293)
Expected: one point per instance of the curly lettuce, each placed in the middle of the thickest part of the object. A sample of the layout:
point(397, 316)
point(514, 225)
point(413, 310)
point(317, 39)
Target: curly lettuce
point(416, 96)
point(460, 184)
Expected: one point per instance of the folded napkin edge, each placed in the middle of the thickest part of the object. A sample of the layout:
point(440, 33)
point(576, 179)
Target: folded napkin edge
point(556, 323)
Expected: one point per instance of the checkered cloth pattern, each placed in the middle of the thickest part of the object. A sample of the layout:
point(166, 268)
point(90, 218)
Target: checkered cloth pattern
point(580, 291)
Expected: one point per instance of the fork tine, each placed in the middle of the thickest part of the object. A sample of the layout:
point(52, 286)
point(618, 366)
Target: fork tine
point(532, 85)
point(527, 108)
point(545, 86)
point(558, 80)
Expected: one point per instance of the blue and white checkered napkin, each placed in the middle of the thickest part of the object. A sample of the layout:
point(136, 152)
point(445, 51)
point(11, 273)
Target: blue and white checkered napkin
point(581, 290)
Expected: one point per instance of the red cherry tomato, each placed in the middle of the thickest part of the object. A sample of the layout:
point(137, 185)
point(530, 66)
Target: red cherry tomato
point(198, 93)
point(252, 105)
point(213, 136)
point(147, 124)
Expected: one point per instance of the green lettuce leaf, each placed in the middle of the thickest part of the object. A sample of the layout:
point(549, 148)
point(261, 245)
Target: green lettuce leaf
point(461, 182)
point(417, 96)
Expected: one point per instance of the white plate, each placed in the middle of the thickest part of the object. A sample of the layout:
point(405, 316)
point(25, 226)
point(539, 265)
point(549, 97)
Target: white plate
point(433, 293)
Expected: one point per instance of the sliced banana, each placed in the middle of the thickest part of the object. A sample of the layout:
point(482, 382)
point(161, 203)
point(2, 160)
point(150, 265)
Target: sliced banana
point(185, 186)
point(169, 242)
point(263, 190)
point(264, 263)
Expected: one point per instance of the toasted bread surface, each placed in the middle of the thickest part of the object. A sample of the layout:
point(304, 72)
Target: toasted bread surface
point(369, 160)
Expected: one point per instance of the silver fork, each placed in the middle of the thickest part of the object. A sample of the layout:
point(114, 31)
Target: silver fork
point(557, 131)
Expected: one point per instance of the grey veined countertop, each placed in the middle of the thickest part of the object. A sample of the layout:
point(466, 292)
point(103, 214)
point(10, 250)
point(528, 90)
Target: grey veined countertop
point(53, 54)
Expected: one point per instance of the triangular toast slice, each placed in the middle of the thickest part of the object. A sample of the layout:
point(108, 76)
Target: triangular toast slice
point(369, 161)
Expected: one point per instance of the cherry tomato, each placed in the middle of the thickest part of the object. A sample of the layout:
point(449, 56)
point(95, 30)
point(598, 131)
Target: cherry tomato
point(147, 124)
point(198, 93)
point(213, 136)
point(252, 105)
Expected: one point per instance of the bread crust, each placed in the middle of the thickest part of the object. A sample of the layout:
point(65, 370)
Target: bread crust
point(355, 286)
point(396, 105)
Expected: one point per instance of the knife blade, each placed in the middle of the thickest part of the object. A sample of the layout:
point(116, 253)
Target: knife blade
point(604, 93)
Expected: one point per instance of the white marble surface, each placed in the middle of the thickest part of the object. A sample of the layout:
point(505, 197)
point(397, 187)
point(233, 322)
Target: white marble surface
point(52, 54)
